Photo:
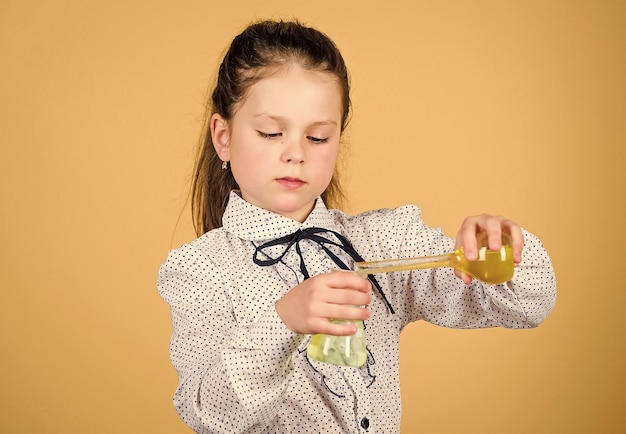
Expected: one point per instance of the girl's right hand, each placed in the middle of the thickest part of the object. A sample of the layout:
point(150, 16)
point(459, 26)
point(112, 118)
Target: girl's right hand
point(308, 307)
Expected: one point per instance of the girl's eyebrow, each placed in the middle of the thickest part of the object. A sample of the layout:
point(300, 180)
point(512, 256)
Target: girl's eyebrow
point(282, 119)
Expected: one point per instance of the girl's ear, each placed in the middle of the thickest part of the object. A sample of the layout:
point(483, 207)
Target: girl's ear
point(220, 136)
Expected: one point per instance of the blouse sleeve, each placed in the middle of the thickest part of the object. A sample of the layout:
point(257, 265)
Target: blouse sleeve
point(230, 377)
point(437, 295)
point(523, 302)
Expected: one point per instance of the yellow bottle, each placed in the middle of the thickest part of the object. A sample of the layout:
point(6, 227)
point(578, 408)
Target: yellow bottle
point(491, 266)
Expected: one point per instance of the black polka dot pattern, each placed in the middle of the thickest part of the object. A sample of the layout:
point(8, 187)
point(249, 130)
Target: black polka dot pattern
point(242, 370)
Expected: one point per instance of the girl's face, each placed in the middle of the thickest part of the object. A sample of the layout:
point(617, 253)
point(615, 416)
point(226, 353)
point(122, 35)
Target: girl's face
point(283, 139)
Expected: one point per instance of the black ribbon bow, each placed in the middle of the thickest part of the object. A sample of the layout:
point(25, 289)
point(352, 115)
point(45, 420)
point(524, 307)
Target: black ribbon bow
point(312, 234)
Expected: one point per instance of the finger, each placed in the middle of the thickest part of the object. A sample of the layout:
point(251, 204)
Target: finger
point(466, 238)
point(345, 279)
point(517, 242)
point(329, 328)
point(493, 228)
point(347, 312)
point(348, 297)
point(467, 279)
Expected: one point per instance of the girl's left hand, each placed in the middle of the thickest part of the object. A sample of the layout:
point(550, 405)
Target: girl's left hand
point(493, 226)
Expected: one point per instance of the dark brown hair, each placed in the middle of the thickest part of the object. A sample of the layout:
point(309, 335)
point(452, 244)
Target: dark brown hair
point(254, 53)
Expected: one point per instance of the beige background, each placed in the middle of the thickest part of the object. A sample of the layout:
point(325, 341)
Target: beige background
point(509, 107)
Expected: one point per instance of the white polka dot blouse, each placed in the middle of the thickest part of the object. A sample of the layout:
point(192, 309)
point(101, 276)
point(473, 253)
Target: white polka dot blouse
point(241, 369)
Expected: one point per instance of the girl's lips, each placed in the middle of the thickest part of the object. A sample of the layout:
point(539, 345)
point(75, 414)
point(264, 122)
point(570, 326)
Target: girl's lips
point(290, 183)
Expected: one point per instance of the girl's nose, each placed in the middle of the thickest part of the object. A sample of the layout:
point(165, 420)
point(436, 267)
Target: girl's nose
point(293, 151)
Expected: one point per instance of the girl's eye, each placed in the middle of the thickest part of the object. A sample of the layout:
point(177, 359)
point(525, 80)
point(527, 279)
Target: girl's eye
point(269, 135)
point(317, 139)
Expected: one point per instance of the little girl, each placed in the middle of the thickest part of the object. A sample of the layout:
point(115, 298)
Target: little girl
point(264, 273)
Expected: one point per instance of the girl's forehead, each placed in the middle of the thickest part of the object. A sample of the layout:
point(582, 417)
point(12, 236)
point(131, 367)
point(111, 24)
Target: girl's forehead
point(293, 90)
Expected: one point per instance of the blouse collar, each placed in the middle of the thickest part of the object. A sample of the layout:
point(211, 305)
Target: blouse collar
point(250, 222)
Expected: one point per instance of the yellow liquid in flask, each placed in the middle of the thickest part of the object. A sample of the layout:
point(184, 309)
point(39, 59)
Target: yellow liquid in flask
point(491, 266)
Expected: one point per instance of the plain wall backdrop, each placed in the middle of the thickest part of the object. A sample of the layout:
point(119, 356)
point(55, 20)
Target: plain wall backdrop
point(513, 107)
